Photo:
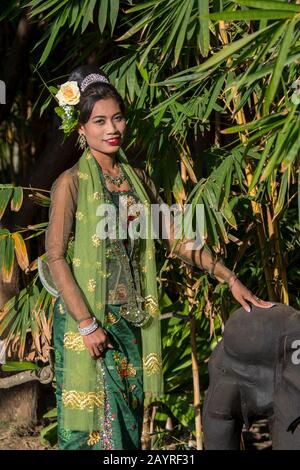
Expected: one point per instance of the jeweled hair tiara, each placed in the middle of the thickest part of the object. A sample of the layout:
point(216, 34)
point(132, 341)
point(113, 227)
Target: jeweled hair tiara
point(92, 78)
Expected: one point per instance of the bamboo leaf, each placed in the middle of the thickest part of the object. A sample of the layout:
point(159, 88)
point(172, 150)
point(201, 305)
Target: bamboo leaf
point(25, 324)
point(51, 414)
point(49, 434)
point(36, 9)
point(74, 14)
point(17, 199)
point(282, 194)
point(211, 229)
point(298, 198)
point(143, 6)
point(45, 105)
point(178, 189)
point(35, 331)
point(8, 259)
point(269, 5)
point(131, 80)
point(293, 152)
point(265, 154)
point(37, 226)
point(143, 73)
point(250, 15)
point(228, 214)
point(256, 124)
point(136, 27)
point(53, 34)
point(280, 142)
point(203, 11)
point(183, 29)
point(179, 18)
point(102, 17)
point(114, 11)
point(58, 7)
point(220, 56)
point(21, 251)
point(280, 63)
point(5, 195)
point(88, 14)
point(214, 96)
point(14, 366)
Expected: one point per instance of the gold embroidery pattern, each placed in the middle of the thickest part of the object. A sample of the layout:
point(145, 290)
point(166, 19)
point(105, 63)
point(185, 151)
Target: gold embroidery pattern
point(119, 293)
point(83, 176)
point(124, 369)
point(131, 371)
point(152, 364)
point(96, 240)
point(74, 341)
point(144, 269)
point(82, 400)
point(99, 305)
point(94, 437)
point(97, 195)
point(61, 309)
point(79, 215)
point(76, 262)
point(111, 318)
point(151, 306)
point(91, 285)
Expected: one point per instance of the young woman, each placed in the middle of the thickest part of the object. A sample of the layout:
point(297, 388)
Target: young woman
point(106, 325)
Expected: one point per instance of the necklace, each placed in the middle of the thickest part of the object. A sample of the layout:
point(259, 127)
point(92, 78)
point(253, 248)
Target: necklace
point(117, 180)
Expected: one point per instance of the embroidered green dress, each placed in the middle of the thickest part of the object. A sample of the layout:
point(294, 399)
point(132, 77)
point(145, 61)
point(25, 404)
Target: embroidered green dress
point(121, 367)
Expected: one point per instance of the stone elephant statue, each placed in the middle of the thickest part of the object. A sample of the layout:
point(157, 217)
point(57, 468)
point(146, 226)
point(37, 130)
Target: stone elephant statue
point(255, 372)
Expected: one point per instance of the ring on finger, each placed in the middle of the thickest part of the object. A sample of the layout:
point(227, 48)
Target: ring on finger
point(100, 347)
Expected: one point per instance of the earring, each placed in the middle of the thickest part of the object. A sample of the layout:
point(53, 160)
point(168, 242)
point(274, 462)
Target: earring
point(82, 141)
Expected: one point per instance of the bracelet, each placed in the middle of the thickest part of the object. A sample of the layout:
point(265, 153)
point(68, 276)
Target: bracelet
point(232, 281)
point(86, 330)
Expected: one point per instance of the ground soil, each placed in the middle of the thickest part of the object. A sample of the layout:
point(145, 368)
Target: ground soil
point(14, 437)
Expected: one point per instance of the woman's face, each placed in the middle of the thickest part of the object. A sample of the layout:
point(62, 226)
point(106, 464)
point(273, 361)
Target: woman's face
point(105, 127)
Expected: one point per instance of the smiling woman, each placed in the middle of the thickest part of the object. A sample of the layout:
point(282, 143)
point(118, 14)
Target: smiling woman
point(104, 131)
point(106, 323)
point(104, 360)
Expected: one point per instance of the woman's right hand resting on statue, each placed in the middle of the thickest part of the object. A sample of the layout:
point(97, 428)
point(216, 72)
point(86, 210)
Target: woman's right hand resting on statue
point(96, 342)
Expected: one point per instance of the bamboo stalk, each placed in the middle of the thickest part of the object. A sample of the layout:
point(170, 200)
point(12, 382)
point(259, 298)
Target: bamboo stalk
point(256, 207)
point(196, 385)
point(193, 332)
point(280, 277)
point(195, 368)
point(145, 439)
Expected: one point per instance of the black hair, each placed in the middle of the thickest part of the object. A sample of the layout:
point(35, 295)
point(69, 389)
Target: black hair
point(93, 92)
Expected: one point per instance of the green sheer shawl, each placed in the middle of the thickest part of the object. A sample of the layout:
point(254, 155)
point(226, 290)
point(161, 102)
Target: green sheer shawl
point(83, 391)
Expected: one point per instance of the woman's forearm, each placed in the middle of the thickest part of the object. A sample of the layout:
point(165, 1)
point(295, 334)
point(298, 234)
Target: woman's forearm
point(203, 259)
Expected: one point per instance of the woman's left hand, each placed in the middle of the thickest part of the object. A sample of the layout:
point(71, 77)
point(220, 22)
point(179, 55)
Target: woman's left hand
point(244, 296)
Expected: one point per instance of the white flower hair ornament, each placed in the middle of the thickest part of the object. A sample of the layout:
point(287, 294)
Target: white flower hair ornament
point(68, 96)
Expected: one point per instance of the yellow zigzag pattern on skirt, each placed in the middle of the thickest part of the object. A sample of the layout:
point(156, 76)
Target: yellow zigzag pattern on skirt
point(74, 341)
point(82, 400)
point(152, 364)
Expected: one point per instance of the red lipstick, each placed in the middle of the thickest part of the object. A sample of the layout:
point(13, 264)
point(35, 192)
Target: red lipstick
point(114, 142)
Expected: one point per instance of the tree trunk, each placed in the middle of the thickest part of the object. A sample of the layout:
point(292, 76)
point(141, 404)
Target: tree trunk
point(17, 404)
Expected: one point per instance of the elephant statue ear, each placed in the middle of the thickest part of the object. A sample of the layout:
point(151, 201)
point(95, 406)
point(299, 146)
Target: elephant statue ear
point(46, 278)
